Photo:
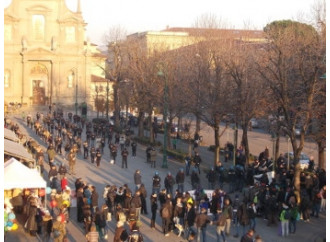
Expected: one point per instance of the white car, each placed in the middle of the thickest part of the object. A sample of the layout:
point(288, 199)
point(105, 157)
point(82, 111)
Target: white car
point(304, 159)
point(254, 123)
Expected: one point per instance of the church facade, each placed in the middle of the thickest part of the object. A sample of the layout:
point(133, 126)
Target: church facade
point(46, 57)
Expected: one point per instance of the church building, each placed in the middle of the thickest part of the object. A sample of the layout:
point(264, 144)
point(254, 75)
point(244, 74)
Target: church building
point(46, 56)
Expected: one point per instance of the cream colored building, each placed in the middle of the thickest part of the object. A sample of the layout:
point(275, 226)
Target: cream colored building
point(46, 57)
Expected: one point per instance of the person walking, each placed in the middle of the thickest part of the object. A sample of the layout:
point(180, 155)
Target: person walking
point(202, 220)
point(227, 211)
point(124, 155)
point(113, 152)
point(220, 225)
point(93, 154)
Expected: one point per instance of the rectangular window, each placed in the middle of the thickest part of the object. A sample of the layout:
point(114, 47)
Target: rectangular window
point(8, 32)
point(70, 34)
point(38, 23)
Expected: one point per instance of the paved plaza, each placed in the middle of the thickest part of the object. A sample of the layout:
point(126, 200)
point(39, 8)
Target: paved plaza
point(108, 173)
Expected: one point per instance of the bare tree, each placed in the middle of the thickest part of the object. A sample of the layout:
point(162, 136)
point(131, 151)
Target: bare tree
point(292, 63)
point(114, 70)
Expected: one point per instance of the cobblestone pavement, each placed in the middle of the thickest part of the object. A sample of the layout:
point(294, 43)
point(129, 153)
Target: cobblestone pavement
point(114, 174)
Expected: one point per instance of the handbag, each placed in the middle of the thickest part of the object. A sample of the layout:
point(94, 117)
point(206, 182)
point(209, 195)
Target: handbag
point(108, 217)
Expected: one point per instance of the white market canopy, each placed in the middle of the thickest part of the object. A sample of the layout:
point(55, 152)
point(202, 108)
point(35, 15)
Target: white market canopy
point(16, 150)
point(17, 175)
point(10, 135)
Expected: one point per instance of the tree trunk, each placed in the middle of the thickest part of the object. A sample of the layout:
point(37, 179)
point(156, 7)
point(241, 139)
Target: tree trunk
point(217, 145)
point(151, 131)
point(198, 124)
point(321, 148)
point(116, 104)
point(140, 125)
point(245, 143)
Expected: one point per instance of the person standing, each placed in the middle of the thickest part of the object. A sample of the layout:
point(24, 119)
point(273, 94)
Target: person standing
point(169, 183)
point(156, 183)
point(143, 195)
point(211, 178)
point(166, 214)
point(93, 235)
point(124, 155)
point(197, 161)
point(85, 145)
point(284, 218)
point(202, 221)
point(137, 179)
point(134, 147)
point(180, 180)
point(189, 219)
point(153, 157)
point(228, 214)
point(120, 233)
point(72, 161)
point(243, 218)
point(98, 157)
point(59, 230)
point(93, 154)
point(94, 199)
point(113, 152)
point(154, 206)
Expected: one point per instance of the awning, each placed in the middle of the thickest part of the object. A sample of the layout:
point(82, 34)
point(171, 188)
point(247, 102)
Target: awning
point(10, 135)
point(17, 150)
point(17, 175)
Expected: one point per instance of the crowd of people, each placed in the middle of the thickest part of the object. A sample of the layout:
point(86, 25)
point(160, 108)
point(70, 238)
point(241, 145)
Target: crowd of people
point(240, 194)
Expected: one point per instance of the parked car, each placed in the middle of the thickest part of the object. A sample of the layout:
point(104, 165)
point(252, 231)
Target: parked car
point(254, 123)
point(304, 159)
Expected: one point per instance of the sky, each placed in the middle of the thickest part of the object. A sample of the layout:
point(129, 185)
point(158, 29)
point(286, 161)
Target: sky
point(155, 15)
point(147, 15)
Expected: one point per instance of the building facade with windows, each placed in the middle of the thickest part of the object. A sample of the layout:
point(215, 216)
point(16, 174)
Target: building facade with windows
point(46, 56)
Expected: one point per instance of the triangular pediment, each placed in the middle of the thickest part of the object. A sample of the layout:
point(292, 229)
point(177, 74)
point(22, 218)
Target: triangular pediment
point(39, 51)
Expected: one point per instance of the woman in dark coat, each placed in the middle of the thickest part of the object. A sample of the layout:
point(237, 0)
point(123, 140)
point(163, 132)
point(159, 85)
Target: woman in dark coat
point(31, 222)
point(143, 195)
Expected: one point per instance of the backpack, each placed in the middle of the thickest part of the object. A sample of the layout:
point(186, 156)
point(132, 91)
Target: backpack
point(287, 214)
point(57, 233)
point(124, 235)
point(165, 213)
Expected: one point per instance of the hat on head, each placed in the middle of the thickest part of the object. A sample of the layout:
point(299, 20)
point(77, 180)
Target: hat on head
point(154, 195)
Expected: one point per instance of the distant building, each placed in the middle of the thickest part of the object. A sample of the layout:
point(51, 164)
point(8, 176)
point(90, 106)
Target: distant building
point(175, 38)
point(46, 57)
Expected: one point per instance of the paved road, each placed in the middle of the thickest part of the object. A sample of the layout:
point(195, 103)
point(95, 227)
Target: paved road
point(114, 174)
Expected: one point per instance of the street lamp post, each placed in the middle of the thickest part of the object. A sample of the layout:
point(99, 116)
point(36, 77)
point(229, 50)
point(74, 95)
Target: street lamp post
point(76, 104)
point(164, 165)
point(274, 148)
point(107, 104)
point(235, 142)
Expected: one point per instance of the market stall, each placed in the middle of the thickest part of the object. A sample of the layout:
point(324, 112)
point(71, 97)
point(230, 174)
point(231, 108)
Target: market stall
point(16, 150)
